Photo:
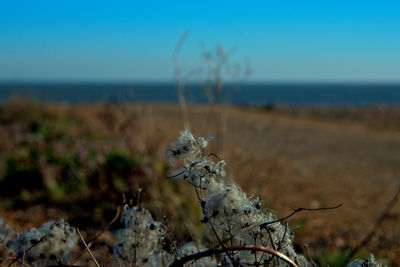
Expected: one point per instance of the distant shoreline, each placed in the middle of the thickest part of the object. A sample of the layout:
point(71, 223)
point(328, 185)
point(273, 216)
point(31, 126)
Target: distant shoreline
point(258, 95)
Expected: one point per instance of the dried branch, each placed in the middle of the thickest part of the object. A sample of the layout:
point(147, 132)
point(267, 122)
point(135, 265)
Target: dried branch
point(13, 259)
point(272, 244)
point(298, 210)
point(90, 243)
point(214, 155)
point(174, 247)
point(309, 256)
point(176, 175)
point(179, 262)
point(220, 243)
point(193, 238)
point(87, 248)
point(383, 216)
point(25, 251)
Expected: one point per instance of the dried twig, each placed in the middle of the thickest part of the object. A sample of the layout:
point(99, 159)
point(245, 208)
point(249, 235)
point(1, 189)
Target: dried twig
point(298, 210)
point(383, 216)
point(220, 242)
point(180, 261)
point(90, 243)
point(173, 241)
point(139, 198)
point(14, 260)
point(272, 244)
point(25, 251)
point(87, 248)
point(213, 154)
point(193, 238)
point(309, 256)
point(283, 236)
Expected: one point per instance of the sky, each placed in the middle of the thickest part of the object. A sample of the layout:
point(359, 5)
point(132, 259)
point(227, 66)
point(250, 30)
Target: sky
point(285, 41)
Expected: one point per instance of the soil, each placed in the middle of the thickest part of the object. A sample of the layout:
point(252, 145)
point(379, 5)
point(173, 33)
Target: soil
point(291, 159)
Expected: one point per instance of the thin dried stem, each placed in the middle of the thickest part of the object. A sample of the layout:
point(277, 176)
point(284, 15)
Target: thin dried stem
point(179, 262)
point(382, 217)
point(87, 248)
point(283, 237)
point(90, 243)
point(309, 256)
point(193, 238)
point(272, 244)
point(298, 210)
point(169, 232)
point(25, 251)
point(220, 242)
point(14, 260)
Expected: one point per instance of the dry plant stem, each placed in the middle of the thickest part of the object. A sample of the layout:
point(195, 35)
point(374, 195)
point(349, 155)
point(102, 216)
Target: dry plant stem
point(180, 82)
point(179, 262)
point(90, 243)
point(309, 256)
point(283, 237)
point(298, 210)
point(221, 244)
point(23, 255)
point(87, 248)
point(272, 244)
point(173, 241)
point(139, 197)
point(212, 226)
point(183, 106)
point(193, 238)
point(214, 155)
point(222, 121)
point(382, 217)
point(15, 260)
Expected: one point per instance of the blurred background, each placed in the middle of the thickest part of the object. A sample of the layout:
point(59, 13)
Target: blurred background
point(303, 98)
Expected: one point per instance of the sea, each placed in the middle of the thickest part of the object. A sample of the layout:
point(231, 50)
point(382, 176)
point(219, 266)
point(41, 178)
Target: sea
point(260, 94)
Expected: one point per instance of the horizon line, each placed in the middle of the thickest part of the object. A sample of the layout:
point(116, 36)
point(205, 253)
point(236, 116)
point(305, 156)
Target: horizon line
point(171, 82)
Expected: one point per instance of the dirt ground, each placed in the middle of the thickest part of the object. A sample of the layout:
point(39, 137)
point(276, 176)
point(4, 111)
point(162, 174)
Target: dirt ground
point(289, 158)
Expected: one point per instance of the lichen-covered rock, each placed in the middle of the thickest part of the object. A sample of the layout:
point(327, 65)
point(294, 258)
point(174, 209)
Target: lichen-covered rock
point(50, 244)
point(369, 262)
point(141, 241)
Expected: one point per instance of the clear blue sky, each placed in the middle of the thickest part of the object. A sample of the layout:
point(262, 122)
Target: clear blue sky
point(134, 40)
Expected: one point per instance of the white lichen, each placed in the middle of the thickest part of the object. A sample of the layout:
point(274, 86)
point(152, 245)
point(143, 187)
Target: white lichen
point(369, 262)
point(50, 244)
point(231, 216)
point(187, 148)
point(141, 241)
point(7, 235)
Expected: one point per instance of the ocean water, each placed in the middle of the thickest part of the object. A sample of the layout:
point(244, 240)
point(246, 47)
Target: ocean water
point(249, 94)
